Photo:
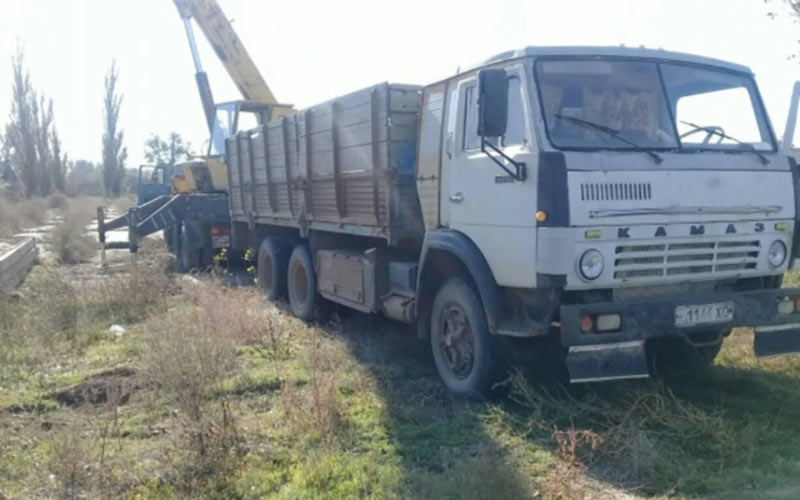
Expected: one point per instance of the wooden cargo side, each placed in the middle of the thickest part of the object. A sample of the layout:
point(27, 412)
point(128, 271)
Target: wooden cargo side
point(358, 177)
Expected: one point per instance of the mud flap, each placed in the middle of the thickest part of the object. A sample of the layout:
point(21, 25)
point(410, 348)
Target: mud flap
point(777, 340)
point(599, 362)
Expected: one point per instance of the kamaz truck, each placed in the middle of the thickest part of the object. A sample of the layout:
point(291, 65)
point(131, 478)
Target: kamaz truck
point(609, 198)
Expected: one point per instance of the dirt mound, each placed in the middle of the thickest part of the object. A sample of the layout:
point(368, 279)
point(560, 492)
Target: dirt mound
point(113, 386)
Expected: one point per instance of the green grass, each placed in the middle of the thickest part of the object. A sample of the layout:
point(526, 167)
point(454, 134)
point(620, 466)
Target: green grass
point(353, 409)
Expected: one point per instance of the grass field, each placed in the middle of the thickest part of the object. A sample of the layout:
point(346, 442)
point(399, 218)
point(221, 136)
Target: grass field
point(212, 392)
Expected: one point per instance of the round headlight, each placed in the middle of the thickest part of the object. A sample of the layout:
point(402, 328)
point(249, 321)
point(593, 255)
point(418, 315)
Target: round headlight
point(591, 264)
point(777, 253)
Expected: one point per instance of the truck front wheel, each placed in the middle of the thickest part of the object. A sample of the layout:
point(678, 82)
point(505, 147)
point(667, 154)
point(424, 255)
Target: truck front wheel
point(460, 339)
point(273, 258)
point(302, 282)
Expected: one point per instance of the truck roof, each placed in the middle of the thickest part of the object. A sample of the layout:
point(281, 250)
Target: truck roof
point(621, 51)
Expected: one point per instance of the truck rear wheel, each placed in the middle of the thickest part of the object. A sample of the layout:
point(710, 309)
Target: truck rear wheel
point(460, 339)
point(302, 283)
point(273, 259)
point(189, 253)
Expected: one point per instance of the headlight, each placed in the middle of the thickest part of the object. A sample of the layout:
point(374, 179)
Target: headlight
point(777, 253)
point(591, 264)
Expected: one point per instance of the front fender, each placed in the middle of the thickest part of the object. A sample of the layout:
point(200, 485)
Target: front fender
point(462, 248)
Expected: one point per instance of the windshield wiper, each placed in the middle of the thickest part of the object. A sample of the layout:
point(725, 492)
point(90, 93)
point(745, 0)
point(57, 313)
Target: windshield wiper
point(713, 131)
point(613, 133)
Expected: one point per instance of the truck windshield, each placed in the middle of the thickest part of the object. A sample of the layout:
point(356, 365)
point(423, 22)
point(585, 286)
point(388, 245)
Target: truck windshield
point(648, 105)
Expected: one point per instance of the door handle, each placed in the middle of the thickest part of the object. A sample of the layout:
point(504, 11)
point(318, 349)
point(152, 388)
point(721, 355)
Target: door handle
point(456, 197)
point(449, 145)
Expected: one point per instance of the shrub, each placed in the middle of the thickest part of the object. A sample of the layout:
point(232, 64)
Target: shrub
point(186, 352)
point(184, 356)
point(315, 406)
point(69, 464)
point(57, 201)
point(69, 240)
point(632, 435)
point(17, 216)
point(128, 298)
point(33, 212)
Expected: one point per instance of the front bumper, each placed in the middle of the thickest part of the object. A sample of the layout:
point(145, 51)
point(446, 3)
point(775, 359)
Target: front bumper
point(620, 354)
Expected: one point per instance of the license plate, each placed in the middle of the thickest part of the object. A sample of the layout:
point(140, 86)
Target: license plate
point(704, 314)
point(220, 240)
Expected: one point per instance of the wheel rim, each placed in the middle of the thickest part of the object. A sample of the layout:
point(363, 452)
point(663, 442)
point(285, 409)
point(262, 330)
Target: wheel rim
point(300, 283)
point(266, 272)
point(456, 341)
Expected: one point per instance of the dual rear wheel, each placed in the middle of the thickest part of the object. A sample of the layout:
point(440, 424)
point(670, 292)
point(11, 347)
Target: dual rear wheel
point(462, 348)
point(283, 270)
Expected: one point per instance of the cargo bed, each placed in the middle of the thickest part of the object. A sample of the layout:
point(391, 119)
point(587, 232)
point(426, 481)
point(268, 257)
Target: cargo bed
point(358, 179)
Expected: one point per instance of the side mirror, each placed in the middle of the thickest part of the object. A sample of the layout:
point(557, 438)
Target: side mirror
point(492, 102)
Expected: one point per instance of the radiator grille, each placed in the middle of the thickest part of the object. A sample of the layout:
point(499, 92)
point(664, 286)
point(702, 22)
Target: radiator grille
point(632, 262)
point(616, 191)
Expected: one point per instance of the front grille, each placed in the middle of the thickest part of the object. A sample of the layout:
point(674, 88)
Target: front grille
point(640, 262)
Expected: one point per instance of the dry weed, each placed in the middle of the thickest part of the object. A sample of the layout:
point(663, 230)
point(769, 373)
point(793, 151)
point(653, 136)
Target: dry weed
point(565, 478)
point(633, 436)
point(315, 406)
point(69, 463)
point(128, 298)
point(57, 201)
point(245, 317)
point(184, 355)
point(209, 450)
point(187, 351)
point(483, 474)
point(17, 216)
point(69, 240)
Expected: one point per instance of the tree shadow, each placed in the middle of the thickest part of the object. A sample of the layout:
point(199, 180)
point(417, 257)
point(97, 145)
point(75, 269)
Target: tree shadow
point(442, 441)
point(725, 429)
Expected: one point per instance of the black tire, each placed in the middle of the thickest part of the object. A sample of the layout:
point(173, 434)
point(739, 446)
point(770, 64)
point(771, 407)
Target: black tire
point(466, 369)
point(189, 253)
point(273, 261)
point(676, 356)
point(706, 354)
point(302, 283)
point(169, 238)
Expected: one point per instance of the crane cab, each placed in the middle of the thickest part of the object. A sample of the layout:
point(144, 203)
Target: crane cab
point(230, 117)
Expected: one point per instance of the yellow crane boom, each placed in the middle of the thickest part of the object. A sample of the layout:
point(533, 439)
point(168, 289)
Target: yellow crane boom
point(229, 49)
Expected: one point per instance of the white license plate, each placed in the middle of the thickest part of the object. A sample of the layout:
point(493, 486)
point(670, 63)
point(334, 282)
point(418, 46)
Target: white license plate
point(704, 314)
point(220, 240)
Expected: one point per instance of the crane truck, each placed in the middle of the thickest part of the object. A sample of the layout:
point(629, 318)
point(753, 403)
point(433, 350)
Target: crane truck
point(611, 199)
point(189, 202)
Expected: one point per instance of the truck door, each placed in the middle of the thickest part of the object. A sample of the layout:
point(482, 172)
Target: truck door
point(478, 198)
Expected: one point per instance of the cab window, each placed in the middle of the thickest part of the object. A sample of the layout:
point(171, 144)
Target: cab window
point(515, 127)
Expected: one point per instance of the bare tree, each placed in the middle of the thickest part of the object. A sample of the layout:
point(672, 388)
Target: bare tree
point(8, 178)
point(166, 152)
point(114, 153)
point(59, 163)
point(43, 121)
point(20, 134)
point(30, 139)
